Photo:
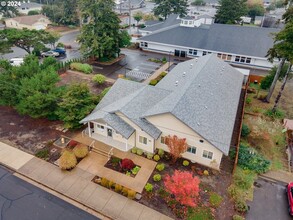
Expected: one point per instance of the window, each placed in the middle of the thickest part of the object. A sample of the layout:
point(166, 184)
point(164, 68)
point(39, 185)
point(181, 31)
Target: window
point(101, 127)
point(201, 141)
point(204, 53)
point(219, 55)
point(145, 44)
point(185, 22)
point(141, 44)
point(242, 59)
point(224, 56)
point(229, 57)
point(143, 140)
point(195, 52)
point(191, 149)
point(248, 60)
point(190, 51)
point(163, 140)
point(237, 59)
point(190, 22)
point(207, 154)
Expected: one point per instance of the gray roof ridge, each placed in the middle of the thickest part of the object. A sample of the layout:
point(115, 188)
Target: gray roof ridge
point(161, 30)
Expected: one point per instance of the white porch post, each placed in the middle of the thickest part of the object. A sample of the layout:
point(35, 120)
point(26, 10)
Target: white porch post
point(126, 144)
point(89, 129)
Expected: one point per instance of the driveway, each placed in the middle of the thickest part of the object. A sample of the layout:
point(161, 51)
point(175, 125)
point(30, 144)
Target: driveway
point(21, 200)
point(269, 203)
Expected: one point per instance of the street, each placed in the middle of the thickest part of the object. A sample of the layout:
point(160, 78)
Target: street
point(20, 200)
point(269, 202)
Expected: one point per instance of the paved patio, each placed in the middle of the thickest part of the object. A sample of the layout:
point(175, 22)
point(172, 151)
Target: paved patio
point(94, 164)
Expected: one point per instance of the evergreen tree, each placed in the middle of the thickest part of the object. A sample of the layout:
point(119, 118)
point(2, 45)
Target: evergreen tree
point(164, 8)
point(99, 38)
point(230, 11)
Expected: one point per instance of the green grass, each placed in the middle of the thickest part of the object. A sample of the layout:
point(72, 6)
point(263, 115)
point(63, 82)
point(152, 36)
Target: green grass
point(44, 154)
point(215, 199)
point(200, 213)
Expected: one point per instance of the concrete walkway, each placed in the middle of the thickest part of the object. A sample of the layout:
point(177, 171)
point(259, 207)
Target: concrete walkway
point(158, 72)
point(77, 185)
point(279, 175)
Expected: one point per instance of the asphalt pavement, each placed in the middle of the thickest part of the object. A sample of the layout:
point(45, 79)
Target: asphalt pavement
point(269, 202)
point(20, 200)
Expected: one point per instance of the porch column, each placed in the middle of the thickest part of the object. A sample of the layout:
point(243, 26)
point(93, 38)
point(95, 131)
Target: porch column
point(89, 129)
point(126, 144)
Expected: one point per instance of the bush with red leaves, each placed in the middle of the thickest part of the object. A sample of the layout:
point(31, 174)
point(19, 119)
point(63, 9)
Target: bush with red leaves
point(127, 164)
point(72, 143)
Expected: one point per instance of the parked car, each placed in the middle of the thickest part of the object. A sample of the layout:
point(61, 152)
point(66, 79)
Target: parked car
point(289, 192)
point(60, 50)
point(50, 53)
point(16, 61)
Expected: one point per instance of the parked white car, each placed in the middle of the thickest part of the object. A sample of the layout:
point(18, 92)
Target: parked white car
point(16, 61)
point(50, 54)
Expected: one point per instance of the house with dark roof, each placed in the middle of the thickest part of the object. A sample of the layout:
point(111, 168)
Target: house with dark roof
point(244, 46)
point(197, 100)
point(25, 7)
point(37, 22)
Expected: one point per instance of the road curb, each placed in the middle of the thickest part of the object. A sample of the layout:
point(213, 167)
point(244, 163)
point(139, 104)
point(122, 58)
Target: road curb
point(271, 179)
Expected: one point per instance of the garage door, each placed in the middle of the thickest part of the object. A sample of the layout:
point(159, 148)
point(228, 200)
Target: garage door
point(40, 27)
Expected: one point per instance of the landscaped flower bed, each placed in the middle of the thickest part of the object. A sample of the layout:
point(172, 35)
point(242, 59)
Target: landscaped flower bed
point(125, 166)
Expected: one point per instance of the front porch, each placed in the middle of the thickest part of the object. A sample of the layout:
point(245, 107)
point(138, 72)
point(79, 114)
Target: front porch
point(94, 164)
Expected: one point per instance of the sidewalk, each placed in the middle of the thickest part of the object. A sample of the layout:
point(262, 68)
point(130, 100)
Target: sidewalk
point(280, 175)
point(76, 185)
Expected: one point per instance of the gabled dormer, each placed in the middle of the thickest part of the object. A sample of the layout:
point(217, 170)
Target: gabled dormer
point(189, 21)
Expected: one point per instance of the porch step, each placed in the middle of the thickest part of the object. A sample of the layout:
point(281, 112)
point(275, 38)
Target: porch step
point(99, 151)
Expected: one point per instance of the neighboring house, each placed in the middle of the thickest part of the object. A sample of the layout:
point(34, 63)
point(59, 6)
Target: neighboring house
point(124, 4)
point(258, 20)
point(25, 7)
point(197, 100)
point(239, 45)
point(37, 22)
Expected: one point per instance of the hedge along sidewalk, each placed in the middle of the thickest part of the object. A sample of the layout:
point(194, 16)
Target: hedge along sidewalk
point(158, 72)
point(76, 185)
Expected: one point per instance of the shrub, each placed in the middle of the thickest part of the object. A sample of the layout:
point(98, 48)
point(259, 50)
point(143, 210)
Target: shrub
point(124, 191)
point(161, 152)
point(72, 143)
point(134, 150)
point(157, 157)
point(81, 151)
point(164, 60)
point(127, 164)
point(149, 187)
point(135, 170)
point(111, 184)
point(44, 154)
point(118, 188)
point(205, 172)
point(153, 82)
point(244, 178)
point(163, 74)
point(150, 156)
point(139, 152)
point(157, 177)
point(85, 68)
point(131, 194)
point(185, 163)
point(115, 160)
point(99, 78)
point(215, 199)
point(105, 182)
point(245, 130)
point(249, 159)
point(67, 160)
point(248, 101)
point(278, 114)
point(160, 167)
point(237, 217)
point(240, 205)
point(233, 191)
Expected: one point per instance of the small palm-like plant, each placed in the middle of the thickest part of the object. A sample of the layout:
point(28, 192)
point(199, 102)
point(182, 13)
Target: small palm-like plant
point(80, 151)
point(67, 160)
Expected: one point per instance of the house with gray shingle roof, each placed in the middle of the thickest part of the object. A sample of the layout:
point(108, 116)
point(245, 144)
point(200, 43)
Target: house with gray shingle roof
point(197, 100)
point(243, 46)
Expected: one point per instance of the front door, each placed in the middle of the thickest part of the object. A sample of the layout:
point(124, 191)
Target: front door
point(177, 53)
point(109, 132)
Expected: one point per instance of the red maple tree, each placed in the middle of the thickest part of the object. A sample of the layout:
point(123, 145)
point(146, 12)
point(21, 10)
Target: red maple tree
point(176, 146)
point(184, 186)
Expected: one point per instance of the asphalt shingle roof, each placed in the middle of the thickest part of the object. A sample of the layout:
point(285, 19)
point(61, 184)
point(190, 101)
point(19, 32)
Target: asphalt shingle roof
point(203, 94)
point(233, 39)
point(168, 23)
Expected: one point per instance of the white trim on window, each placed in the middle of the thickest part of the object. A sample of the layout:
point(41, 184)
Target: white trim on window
point(143, 140)
point(207, 154)
point(191, 149)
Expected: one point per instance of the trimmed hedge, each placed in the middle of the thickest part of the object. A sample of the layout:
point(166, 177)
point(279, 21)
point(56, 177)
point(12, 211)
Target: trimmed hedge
point(82, 67)
point(99, 78)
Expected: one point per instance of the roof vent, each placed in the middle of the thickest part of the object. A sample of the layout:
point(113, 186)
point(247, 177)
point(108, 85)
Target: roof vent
point(205, 107)
point(198, 123)
point(196, 59)
point(191, 65)
point(176, 83)
point(198, 85)
point(184, 73)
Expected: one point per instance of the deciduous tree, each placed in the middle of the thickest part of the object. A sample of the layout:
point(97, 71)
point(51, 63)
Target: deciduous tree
point(138, 16)
point(166, 7)
point(184, 186)
point(230, 11)
point(176, 146)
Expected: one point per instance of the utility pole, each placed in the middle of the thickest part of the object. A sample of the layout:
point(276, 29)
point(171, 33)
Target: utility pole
point(129, 7)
